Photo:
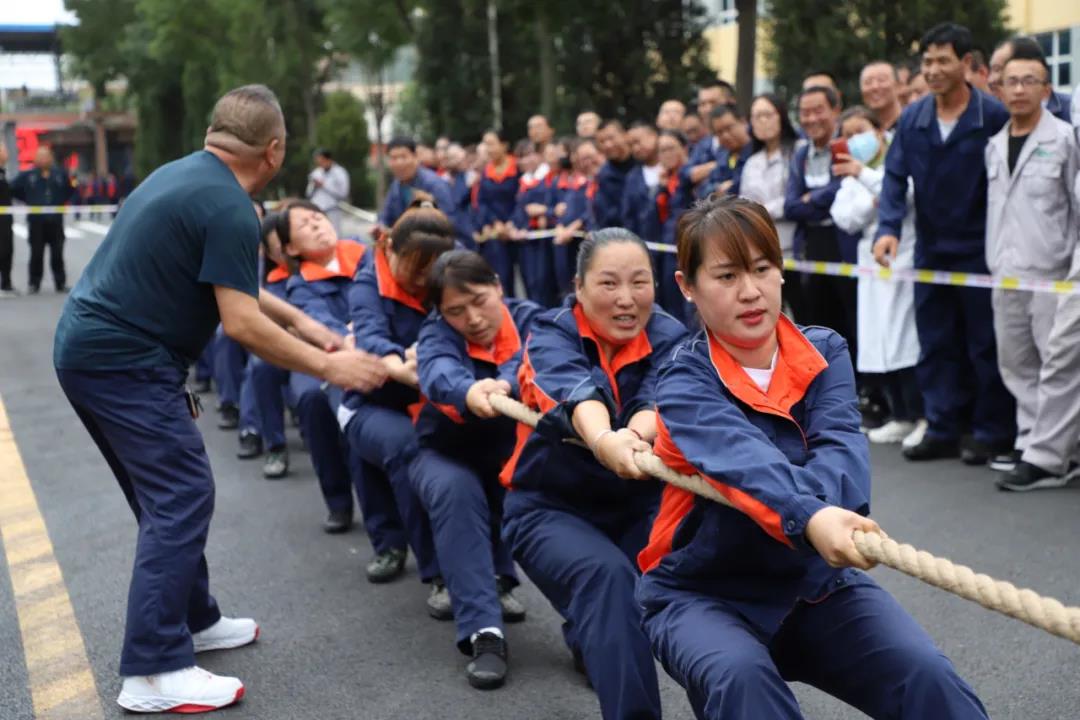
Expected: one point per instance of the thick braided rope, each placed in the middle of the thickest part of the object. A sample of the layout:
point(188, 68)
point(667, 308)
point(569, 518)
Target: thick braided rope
point(1026, 605)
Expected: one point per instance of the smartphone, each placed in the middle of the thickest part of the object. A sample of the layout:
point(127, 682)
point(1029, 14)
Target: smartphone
point(838, 146)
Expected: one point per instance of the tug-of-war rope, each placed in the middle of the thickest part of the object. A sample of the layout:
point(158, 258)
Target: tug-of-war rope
point(1045, 613)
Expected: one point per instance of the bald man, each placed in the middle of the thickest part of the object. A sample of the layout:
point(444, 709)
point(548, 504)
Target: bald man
point(181, 255)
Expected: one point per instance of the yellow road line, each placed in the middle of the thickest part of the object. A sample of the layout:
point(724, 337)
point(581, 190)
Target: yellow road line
point(61, 682)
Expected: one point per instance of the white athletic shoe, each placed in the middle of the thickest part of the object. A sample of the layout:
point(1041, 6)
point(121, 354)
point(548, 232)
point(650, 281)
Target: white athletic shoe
point(916, 436)
point(225, 634)
point(192, 690)
point(893, 431)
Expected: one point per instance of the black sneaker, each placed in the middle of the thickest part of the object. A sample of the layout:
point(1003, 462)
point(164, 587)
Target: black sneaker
point(337, 522)
point(230, 417)
point(487, 670)
point(33, 290)
point(62, 289)
point(1026, 476)
point(512, 609)
point(438, 602)
point(277, 464)
point(932, 449)
point(250, 445)
point(974, 452)
point(872, 413)
point(1005, 461)
point(387, 566)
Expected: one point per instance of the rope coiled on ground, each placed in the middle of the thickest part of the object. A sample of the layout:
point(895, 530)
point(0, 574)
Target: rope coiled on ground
point(1045, 613)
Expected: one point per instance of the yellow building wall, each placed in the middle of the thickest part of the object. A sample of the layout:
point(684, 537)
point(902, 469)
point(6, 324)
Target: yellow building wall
point(1035, 16)
point(724, 49)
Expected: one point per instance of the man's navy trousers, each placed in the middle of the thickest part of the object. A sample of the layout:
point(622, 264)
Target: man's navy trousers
point(140, 421)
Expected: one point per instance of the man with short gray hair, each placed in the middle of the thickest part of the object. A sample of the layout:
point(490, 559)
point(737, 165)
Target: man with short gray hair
point(181, 256)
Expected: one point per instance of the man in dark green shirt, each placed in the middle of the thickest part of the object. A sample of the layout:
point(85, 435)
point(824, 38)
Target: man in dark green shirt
point(180, 257)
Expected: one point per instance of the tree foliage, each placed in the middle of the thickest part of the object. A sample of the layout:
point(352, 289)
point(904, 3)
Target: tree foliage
point(840, 36)
point(342, 127)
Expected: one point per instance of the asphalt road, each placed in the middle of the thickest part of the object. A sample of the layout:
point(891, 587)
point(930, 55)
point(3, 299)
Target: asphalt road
point(334, 646)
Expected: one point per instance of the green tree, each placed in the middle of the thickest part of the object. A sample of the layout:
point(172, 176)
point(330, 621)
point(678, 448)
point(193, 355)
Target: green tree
point(842, 35)
point(342, 129)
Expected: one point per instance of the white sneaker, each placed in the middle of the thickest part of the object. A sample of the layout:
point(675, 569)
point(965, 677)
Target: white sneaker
point(916, 436)
point(893, 431)
point(192, 690)
point(225, 634)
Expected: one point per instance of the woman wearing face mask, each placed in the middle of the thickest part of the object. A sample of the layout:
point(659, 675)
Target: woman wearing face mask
point(738, 602)
point(764, 177)
point(324, 269)
point(387, 307)
point(673, 197)
point(578, 508)
point(888, 346)
point(493, 202)
point(469, 349)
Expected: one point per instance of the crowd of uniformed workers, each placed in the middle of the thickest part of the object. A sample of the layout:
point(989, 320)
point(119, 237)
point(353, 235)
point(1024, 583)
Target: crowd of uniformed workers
point(768, 383)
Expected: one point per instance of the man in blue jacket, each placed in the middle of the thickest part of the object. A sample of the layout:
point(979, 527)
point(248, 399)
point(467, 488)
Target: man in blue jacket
point(410, 177)
point(939, 144)
point(45, 184)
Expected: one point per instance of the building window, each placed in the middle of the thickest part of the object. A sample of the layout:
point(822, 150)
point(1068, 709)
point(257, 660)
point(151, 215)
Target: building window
point(1058, 47)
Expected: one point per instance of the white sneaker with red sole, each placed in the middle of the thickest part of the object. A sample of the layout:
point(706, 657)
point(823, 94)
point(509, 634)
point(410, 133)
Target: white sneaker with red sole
point(225, 634)
point(192, 690)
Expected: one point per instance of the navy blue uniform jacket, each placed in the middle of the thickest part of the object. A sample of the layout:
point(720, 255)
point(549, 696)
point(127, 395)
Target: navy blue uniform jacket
point(322, 293)
point(495, 193)
point(949, 177)
point(778, 456)
point(399, 196)
point(386, 320)
point(611, 184)
point(816, 211)
point(449, 365)
point(563, 366)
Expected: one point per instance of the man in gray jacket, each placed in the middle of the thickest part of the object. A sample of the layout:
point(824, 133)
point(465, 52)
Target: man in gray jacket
point(1033, 229)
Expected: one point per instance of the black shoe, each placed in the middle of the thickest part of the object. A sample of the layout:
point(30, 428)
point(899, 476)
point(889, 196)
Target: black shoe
point(337, 522)
point(438, 602)
point(387, 566)
point(277, 464)
point(1005, 461)
point(487, 670)
point(1026, 476)
point(974, 452)
point(932, 449)
point(33, 290)
point(250, 445)
point(230, 417)
point(201, 386)
point(512, 609)
point(872, 413)
point(63, 289)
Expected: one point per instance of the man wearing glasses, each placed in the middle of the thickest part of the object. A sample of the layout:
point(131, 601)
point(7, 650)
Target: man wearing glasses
point(1057, 103)
point(1033, 220)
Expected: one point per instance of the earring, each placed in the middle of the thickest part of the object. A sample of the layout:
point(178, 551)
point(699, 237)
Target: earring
point(782, 281)
point(689, 299)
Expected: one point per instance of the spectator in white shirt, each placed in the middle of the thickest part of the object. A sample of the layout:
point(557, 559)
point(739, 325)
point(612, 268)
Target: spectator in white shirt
point(328, 185)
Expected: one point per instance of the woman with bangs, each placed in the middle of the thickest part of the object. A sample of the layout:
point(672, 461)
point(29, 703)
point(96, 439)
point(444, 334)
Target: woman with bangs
point(387, 306)
point(738, 601)
point(578, 508)
point(323, 268)
point(469, 349)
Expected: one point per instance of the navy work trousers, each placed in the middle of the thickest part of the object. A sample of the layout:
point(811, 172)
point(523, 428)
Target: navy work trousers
point(140, 421)
point(382, 444)
point(858, 645)
point(317, 409)
point(958, 368)
point(465, 511)
point(586, 568)
point(269, 385)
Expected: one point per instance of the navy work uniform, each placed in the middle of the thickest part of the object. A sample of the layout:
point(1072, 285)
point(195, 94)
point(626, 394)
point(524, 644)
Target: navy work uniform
point(957, 370)
point(322, 293)
point(378, 426)
point(493, 199)
point(736, 602)
point(269, 383)
point(140, 314)
point(610, 188)
point(34, 187)
point(400, 195)
point(579, 194)
point(672, 199)
point(535, 257)
point(456, 471)
point(573, 525)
